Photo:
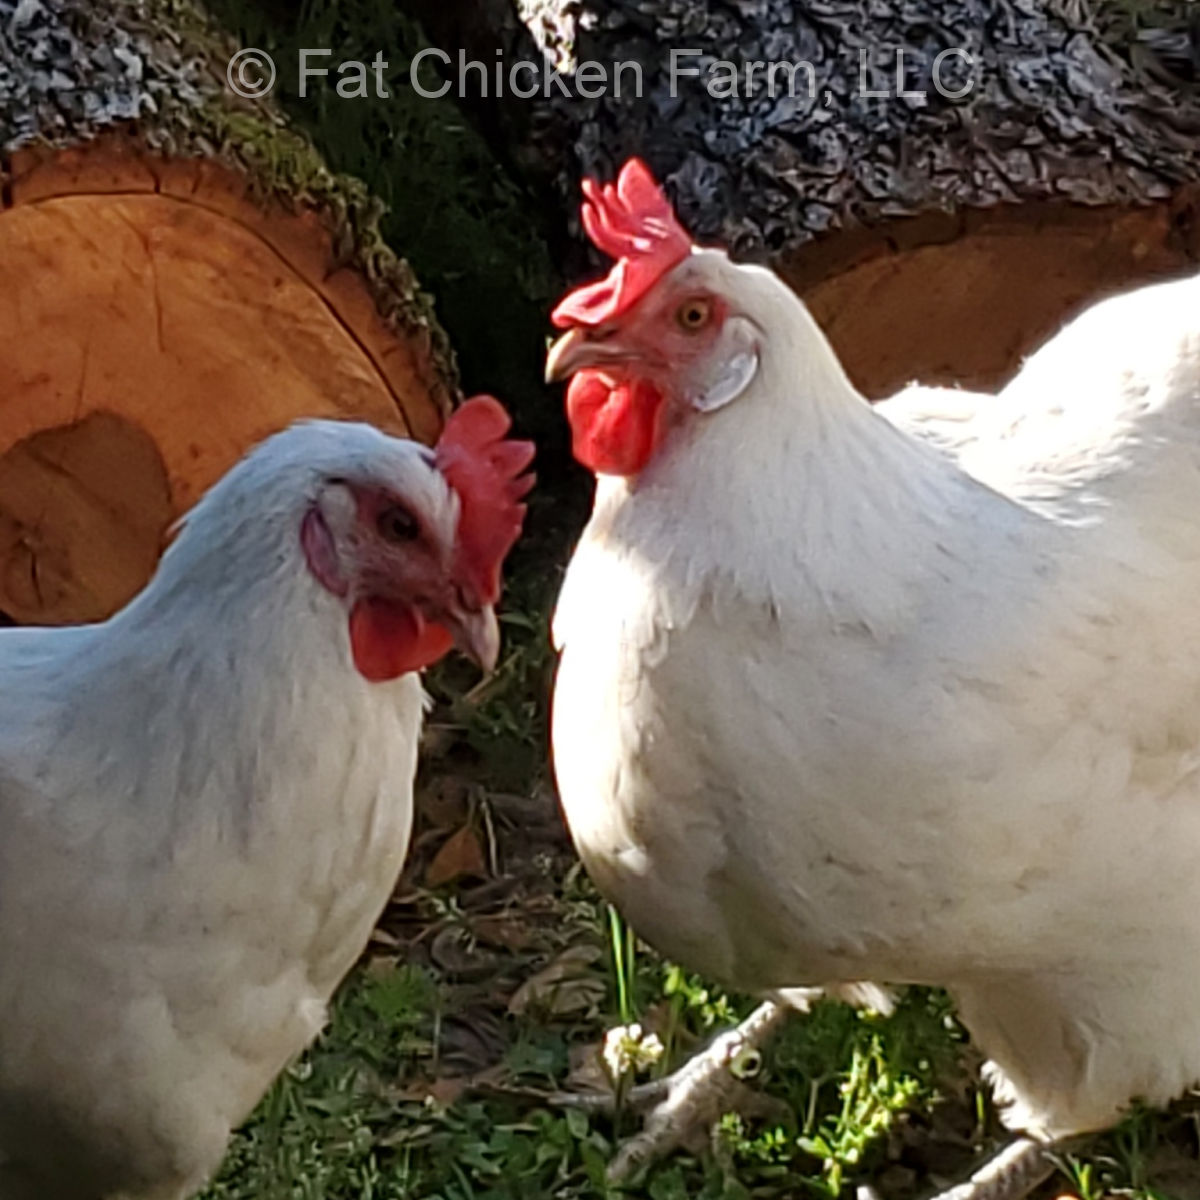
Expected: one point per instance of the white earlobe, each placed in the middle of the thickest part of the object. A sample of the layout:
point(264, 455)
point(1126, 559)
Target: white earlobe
point(733, 380)
point(338, 507)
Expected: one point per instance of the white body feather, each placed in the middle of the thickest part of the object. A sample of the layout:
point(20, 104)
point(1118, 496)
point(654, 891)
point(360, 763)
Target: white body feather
point(913, 695)
point(203, 809)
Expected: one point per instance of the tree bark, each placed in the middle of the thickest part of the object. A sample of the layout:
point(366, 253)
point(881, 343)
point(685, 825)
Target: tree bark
point(180, 276)
point(936, 236)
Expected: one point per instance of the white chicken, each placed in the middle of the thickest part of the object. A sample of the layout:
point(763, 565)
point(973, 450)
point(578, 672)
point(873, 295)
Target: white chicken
point(895, 693)
point(205, 800)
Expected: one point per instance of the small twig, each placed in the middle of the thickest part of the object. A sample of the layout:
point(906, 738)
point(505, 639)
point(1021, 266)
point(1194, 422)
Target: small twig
point(489, 828)
point(599, 1103)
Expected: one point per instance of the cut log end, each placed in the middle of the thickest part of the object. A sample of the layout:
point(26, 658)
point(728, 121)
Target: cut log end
point(155, 323)
point(82, 513)
point(963, 299)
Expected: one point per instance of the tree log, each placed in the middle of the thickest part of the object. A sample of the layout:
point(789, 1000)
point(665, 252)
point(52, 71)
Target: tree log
point(180, 276)
point(936, 237)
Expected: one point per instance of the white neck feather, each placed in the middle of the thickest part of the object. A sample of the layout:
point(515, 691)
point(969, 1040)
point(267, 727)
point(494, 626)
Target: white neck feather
point(796, 487)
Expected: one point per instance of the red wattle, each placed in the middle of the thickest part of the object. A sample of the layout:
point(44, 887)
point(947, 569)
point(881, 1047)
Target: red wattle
point(388, 639)
point(614, 423)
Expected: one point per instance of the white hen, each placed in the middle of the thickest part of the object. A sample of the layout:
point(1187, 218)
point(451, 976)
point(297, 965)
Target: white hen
point(851, 693)
point(204, 805)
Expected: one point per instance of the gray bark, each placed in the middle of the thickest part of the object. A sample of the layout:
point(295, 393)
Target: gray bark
point(1072, 101)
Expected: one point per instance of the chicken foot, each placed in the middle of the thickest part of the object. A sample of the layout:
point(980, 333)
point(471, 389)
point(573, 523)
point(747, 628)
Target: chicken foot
point(698, 1092)
point(701, 1089)
point(1010, 1174)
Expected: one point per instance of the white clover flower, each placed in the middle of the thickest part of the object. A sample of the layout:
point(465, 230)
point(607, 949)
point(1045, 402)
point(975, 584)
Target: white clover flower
point(627, 1049)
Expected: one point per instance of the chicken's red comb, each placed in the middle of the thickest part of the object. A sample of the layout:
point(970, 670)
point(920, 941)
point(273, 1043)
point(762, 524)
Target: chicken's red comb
point(487, 471)
point(632, 222)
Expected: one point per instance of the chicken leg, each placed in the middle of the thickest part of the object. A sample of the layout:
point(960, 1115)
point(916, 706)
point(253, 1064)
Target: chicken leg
point(1010, 1174)
point(697, 1093)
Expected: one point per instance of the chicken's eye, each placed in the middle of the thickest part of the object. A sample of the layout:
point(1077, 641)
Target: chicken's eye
point(396, 524)
point(693, 315)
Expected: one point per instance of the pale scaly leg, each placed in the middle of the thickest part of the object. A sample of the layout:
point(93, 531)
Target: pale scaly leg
point(697, 1095)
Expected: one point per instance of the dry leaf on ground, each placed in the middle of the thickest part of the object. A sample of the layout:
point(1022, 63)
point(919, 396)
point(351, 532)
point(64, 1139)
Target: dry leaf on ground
point(566, 987)
point(461, 854)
